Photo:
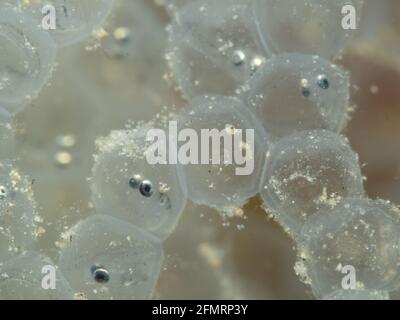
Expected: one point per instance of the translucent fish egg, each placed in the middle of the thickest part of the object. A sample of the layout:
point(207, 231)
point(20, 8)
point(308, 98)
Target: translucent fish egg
point(360, 294)
point(75, 19)
point(305, 26)
point(308, 171)
point(24, 278)
point(6, 135)
point(355, 244)
point(27, 55)
point(154, 201)
point(227, 173)
point(214, 47)
point(18, 216)
point(106, 258)
point(295, 92)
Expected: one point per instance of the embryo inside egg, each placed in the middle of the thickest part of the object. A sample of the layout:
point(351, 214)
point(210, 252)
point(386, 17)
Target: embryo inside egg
point(195, 149)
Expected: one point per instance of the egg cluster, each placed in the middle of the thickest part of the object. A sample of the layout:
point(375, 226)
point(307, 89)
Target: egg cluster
point(264, 65)
point(275, 60)
point(27, 58)
point(117, 252)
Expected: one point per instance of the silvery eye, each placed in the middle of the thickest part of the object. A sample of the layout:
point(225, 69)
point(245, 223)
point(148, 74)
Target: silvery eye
point(135, 181)
point(100, 274)
point(3, 192)
point(146, 188)
point(323, 82)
